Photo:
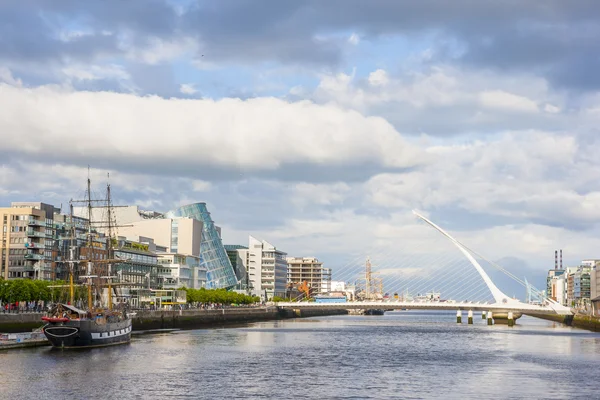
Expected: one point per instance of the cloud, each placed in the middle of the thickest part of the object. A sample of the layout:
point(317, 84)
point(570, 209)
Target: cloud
point(530, 176)
point(354, 39)
point(462, 101)
point(191, 137)
point(187, 88)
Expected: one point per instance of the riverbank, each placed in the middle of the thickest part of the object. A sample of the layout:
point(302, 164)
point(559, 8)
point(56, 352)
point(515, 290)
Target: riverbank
point(185, 319)
point(577, 321)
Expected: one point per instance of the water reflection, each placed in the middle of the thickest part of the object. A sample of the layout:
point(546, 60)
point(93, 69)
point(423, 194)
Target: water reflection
point(399, 355)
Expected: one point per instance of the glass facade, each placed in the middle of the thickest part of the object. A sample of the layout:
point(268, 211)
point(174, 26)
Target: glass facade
point(219, 271)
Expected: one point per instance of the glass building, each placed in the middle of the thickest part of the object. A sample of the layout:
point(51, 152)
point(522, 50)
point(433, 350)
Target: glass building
point(219, 271)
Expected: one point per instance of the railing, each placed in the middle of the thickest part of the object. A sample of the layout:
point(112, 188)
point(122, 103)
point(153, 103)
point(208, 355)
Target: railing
point(36, 222)
point(36, 234)
point(34, 256)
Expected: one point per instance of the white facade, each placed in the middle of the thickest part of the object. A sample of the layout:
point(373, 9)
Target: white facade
point(267, 269)
point(559, 289)
point(181, 270)
point(338, 286)
point(178, 235)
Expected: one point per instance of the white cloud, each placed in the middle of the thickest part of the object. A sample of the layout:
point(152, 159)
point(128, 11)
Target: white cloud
point(7, 77)
point(304, 193)
point(509, 101)
point(201, 186)
point(526, 175)
point(549, 108)
point(378, 78)
point(84, 72)
point(187, 88)
point(160, 50)
point(257, 134)
point(354, 39)
point(445, 100)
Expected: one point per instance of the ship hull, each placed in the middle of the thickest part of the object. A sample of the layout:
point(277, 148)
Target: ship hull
point(87, 333)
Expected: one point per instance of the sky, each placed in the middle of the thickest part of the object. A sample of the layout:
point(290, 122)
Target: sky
point(317, 125)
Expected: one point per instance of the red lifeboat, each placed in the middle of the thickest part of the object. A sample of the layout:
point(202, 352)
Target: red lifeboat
point(55, 319)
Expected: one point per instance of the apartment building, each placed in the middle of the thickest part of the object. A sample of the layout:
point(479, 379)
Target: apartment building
point(27, 240)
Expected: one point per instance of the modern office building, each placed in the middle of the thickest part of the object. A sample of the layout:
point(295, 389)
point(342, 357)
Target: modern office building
point(558, 289)
point(180, 270)
point(238, 256)
point(178, 235)
point(311, 271)
point(553, 275)
point(267, 269)
point(220, 272)
point(26, 240)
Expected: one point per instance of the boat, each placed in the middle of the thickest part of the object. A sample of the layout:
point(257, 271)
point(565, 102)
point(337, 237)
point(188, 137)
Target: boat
point(69, 327)
point(99, 324)
point(374, 312)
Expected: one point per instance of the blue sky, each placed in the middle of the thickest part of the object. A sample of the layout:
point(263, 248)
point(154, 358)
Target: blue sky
point(316, 125)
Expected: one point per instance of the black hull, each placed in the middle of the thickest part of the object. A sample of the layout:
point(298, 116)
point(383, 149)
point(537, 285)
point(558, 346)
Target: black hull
point(374, 312)
point(86, 333)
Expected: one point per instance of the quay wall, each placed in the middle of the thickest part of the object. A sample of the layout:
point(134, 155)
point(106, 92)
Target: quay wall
point(186, 319)
point(577, 321)
point(26, 322)
point(189, 319)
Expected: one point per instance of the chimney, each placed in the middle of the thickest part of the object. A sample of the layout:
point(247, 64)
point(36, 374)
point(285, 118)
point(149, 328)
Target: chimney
point(555, 259)
point(561, 259)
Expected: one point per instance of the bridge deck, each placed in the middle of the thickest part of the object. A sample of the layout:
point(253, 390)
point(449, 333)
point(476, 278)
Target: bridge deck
point(411, 305)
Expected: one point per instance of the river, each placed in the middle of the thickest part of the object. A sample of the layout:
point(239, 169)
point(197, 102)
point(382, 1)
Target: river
point(402, 355)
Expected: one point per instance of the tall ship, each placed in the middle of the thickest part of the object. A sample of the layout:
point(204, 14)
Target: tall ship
point(97, 322)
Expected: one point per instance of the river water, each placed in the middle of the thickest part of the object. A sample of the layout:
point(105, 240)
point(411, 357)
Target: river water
point(402, 355)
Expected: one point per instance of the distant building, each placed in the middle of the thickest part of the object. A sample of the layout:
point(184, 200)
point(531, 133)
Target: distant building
point(553, 275)
point(238, 256)
point(27, 240)
point(187, 229)
point(267, 269)
point(178, 235)
point(595, 280)
point(183, 271)
point(578, 282)
point(311, 271)
point(220, 273)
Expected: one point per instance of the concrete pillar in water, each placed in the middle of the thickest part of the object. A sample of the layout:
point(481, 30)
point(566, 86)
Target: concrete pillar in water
point(470, 317)
point(483, 315)
point(511, 320)
point(490, 318)
point(458, 317)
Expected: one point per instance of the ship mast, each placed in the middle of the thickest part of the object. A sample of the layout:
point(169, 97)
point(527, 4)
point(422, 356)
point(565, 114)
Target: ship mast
point(71, 257)
point(109, 243)
point(90, 242)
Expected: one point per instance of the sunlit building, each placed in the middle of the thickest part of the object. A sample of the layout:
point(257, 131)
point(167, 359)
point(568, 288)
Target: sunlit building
point(26, 240)
point(311, 271)
point(219, 271)
point(267, 269)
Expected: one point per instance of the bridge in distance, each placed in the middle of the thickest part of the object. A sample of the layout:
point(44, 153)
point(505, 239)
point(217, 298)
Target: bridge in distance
point(503, 306)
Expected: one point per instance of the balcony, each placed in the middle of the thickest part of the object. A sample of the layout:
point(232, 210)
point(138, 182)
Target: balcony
point(32, 256)
point(32, 233)
point(37, 222)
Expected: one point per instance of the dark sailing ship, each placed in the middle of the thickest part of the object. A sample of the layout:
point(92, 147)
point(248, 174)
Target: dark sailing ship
point(99, 324)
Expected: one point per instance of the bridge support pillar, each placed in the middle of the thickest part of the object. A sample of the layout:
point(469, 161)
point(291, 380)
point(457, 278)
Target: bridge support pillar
point(483, 315)
point(511, 320)
point(458, 317)
point(490, 320)
point(470, 317)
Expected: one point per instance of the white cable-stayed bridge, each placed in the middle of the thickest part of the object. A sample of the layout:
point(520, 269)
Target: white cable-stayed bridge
point(425, 264)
